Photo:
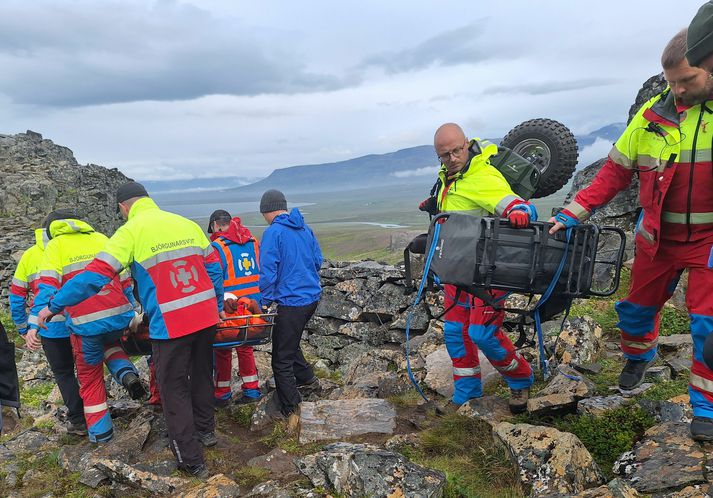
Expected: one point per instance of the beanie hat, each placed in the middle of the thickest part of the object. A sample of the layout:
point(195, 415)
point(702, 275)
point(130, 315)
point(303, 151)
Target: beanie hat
point(218, 215)
point(129, 190)
point(700, 35)
point(273, 200)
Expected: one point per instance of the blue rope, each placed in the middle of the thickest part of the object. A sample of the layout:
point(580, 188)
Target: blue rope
point(538, 322)
point(409, 317)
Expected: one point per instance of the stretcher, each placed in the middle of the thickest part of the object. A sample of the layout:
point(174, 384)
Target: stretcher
point(247, 325)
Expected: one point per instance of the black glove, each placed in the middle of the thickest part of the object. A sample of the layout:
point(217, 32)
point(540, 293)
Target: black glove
point(429, 205)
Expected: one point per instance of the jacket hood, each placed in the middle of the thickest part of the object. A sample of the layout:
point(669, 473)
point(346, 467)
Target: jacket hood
point(41, 238)
point(141, 205)
point(66, 226)
point(236, 232)
point(293, 220)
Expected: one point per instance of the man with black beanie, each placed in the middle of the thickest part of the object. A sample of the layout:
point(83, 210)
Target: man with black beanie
point(290, 259)
point(180, 285)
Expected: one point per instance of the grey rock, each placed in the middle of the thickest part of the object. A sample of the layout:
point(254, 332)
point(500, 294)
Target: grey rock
point(350, 353)
point(328, 346)
point(161, 468)
point(218, 486)
point(634, 392)
point(261, 418)
point(680, 367)
point(270, 489)
point(562, 394)
point(667, 411)
point(675, 345)
point(388, 302)
point(665, 460)
point(489, 409)
point(323, 326)
point(126, 408)
point(139, 479)
point(658, 374)
point(394, 443)
point(420, 318)
point(27, 441)
point(368, 332)
point(336, 419)
point(366, 470)
point(362, 269)
point(579, 342)
point(588, 368)
point(599, 405)
point(550, 461)
point(335, 305)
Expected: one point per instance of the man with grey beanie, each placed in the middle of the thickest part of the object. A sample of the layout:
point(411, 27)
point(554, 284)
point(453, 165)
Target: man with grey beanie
point(700, 38)
point(290, 259)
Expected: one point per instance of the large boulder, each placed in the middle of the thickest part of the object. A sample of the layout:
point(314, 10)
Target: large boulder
point(337, 419)
point(550, 461)
point(367, 470)
point(580, 341)
point(562, 394)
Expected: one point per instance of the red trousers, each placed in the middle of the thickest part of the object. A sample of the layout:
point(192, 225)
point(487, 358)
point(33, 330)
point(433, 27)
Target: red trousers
point(222, 361)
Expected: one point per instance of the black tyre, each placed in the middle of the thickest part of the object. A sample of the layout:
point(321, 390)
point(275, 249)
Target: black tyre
point(550, 146)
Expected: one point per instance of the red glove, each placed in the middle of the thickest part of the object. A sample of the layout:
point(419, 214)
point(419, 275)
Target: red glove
point(518, 218)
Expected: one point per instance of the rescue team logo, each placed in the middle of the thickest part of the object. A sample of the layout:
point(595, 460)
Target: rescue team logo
point(182, 275)
point(704, 125)
point(246, 263)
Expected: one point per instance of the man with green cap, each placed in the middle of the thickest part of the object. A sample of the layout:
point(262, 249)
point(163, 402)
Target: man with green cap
point(700, 38)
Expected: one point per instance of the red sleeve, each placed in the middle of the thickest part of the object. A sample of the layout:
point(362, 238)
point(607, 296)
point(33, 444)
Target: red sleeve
point(611, 179)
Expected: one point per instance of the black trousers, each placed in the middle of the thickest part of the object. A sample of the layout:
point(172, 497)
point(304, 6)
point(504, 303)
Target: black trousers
point(59, 356)
point(288, 362)
point(184, 370)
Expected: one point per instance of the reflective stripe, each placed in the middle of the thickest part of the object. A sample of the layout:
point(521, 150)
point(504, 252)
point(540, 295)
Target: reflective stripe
point(98, 315)
point(223, 383)
point(111, 351)
point(645, 234)
point(95, 408)
point(646, 162)
point(685, 156)
point(250, 378)
point(639, 344)
point(33, 276)
point(701, 383)
point(19, 283)
point(73, 225)
point(187, 301)
point(619, 158)
point(21, 325)
point(512, 366)
point(696, 218)
point(459, 371)
point(66, 270)
point(110, 260)
point(58, 318)
point(208, 251)
point(51, 274)
point(32, 320)
point(578, 210)
point(162, 257)
point(504, 203)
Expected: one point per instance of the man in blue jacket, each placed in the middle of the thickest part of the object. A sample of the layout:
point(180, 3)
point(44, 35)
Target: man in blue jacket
point(290, 259)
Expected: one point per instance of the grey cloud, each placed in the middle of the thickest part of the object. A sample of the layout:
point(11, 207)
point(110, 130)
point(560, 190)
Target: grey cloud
point(457, 46)
point(547, 87)
point(95, 53)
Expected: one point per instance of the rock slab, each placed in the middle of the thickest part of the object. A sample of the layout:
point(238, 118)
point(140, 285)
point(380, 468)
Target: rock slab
point(336, 419)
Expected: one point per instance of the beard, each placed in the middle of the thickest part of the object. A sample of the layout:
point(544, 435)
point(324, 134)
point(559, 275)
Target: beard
point(699, 96)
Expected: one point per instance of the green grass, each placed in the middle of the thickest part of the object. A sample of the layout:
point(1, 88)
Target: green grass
point(463, 448)
point(609, 435)
point(34, 396)
point(248, 477)
point(10, 328)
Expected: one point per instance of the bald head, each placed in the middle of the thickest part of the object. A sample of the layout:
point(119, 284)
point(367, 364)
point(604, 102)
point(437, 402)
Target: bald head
point(451, 146)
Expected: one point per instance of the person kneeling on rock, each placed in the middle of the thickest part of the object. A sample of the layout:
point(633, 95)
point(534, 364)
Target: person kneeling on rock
point(96, 325)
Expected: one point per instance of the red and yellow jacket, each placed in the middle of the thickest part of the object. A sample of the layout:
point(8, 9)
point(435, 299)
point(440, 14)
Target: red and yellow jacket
point(176, 271)
point(670, 149)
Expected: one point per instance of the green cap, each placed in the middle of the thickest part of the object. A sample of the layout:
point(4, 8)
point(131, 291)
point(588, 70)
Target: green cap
point(700, 35)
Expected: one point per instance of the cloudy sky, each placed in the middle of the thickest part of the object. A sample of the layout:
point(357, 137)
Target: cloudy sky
point(182, 89)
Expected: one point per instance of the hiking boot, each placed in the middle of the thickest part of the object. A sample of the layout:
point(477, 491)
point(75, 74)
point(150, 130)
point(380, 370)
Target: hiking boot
point(702, 429)
point(518, 400)
point(133, 385)
point(221, 403)
point(293, 422)
point(632, 376)
point(208, 439)
point(310, 386)
point(79, 429)
point(200, 471)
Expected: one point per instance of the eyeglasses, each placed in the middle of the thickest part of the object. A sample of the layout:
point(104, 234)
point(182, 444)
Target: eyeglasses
point(455, 152)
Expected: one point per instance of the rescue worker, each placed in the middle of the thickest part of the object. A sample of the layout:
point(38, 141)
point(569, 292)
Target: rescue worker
point(54, 340)
point(699, 45)
point(668, 146)
point(178, 277)
point(289, 277)
point(239, 260)
point(467, 182)
point(95, 325)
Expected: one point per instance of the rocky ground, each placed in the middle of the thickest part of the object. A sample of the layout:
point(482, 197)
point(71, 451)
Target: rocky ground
point(367, 433)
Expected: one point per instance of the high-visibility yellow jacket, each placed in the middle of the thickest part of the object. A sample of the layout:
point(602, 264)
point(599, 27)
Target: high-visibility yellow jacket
point(478, 188)
point(669, 147)
point(175, 268)
point(73, 245)
point(25, 286)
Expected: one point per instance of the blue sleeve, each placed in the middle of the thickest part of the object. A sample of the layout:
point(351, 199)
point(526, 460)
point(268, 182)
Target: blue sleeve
point(79, 288)
point(18, 312)
point(317, 252)
point(44, 295)
point(129, 293)
point(215, 272)
point(269, 263)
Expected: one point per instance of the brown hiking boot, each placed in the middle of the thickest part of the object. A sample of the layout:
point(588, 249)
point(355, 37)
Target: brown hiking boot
point(293, 422)
point(518, 400)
